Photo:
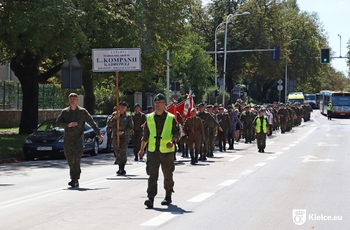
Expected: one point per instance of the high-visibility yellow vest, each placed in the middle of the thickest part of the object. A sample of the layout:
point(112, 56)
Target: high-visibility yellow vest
point(330, 107)
point(258, 125)
point(165, 137)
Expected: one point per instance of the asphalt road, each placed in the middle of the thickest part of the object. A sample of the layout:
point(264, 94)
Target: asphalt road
point(300, 182)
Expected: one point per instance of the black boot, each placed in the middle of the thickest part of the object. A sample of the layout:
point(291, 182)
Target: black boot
point(121, 170)
point(149, 202)
point(230, 142)
point(192, 158)
point(196, 156)
point(167, 201)
point(74, 183)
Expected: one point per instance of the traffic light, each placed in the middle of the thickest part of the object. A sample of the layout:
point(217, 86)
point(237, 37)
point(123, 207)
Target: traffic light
point(325, 56)
point(216, 93)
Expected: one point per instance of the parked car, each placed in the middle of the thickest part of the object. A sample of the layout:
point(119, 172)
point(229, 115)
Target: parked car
point(47, 141)
point(101, 121)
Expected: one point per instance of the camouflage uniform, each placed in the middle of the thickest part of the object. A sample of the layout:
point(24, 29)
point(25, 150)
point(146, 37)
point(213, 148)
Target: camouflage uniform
point(74, 136)
point(194, 131)
point(208, 122)
point(247, 118)
point(156, 158)
point(138, 119)
point(225, 123)
point(126, 125)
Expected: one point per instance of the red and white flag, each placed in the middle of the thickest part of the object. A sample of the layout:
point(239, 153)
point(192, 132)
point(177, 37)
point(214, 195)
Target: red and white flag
point(183, 108)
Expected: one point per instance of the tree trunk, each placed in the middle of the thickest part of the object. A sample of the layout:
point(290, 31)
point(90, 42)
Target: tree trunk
point(89, 98)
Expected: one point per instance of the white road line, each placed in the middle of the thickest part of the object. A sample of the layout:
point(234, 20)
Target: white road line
point(296, 142)
point(156, 221)
point(201, 197)
point(291, 145)
point(227, 183)
point(270, 158)
point(235, 157)
point(260, 164)
point(270, 143)
point(246, 172)
point(279, 153)
point(286, 148)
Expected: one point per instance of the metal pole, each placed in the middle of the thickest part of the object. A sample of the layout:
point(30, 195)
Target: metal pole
point(340, 44)
point(117, 106)
point(225, 54)
point(216, 60)
point(167, 76)
point(285, 80)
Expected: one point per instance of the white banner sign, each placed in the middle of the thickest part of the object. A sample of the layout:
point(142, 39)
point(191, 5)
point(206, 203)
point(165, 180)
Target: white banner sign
point(117, 59)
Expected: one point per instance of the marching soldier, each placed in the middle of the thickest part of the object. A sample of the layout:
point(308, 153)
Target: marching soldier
point(125, 126)
point(247, 118)
point(194, 131)
point(73, 119)
point(225, 124)
point(208, 120)
point(212, 132)
point(261, 127)
point(139, 119)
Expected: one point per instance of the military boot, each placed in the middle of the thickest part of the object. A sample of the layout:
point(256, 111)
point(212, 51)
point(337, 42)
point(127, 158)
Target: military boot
point(149, 202)
point(167, 201)
point(192, 158)
point(74, 183)
point(196, 156)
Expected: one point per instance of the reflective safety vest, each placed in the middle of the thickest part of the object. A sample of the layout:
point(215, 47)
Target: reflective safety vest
point(258, 125)
point(329, 107)
point(165, 137)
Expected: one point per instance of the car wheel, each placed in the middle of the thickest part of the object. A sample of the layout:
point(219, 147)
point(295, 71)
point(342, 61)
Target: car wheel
point(94, 152)
point(28, 158)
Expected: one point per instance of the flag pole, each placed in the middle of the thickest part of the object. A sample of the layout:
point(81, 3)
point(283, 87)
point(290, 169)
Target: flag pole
point(117, 106)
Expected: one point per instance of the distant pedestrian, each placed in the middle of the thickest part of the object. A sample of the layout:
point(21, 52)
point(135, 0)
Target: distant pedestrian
point(73, 119)
point(329, 111)
point(161, 132)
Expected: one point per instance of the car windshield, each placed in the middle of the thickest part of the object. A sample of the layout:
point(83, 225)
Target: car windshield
point(101, 122)
point(310, 97)
point(48, 125)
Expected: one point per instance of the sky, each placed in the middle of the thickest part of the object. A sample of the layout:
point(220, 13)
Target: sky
point(335, 17)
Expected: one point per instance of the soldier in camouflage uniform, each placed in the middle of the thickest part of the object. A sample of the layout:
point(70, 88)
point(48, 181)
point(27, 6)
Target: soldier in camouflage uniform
point(194, 131)
point(208, 122)
point(226, 127)
point(247, 118)
point(125, 126)
point(138, 119)
point(212, 132)
point(73, 119)
point(161, 132)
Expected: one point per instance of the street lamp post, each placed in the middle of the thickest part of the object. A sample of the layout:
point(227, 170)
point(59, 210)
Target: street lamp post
point(340, 44)
point(225, 51)
point(216, 60)
point(286, 72)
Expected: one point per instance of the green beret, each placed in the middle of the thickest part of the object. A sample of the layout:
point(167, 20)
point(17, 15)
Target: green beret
point(159, 97)
point(200, 104)
point(137, 105)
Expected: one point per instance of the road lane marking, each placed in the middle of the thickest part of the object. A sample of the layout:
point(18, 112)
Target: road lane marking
point(279, 153)
point(227, 182)
point(286, 148)
point(309, 157)
point(201, 197)
point(271, 158)
point(270, 142)
point(235, 157)
point(291, 145)
point(260, 164)
point(161, 219)
point(246, 172)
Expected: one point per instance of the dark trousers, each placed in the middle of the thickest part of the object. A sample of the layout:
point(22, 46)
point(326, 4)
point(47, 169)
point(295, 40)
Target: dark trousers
point(166, 161)
point(136, 142)
point(73, 153)
point(261, 140)
point(222, 138)
point(329, 114)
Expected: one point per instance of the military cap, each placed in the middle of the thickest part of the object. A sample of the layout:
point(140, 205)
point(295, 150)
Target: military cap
point(123, 103)
point(73, 95)
point(209, 106)
point(229, 106)
point(200, 104)
point(215, 106)
point(159, 97)
point(221, 107)
point(137, 105)
point(150, 107)
point(261, 110)
point(247, 106)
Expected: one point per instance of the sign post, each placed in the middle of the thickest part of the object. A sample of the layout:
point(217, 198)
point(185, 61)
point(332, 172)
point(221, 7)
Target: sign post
point(116, 60)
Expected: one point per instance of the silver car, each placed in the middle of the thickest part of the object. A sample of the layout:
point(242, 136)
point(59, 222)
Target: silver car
point(101, 121)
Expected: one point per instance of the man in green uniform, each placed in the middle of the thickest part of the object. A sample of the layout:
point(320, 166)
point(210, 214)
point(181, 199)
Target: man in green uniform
point(212, 132)
point(226, 126)
point(73, 119)
point(247, 118)
point(139, 119)
point(208, 121)
point(125, 126)
point(261, 126)
point(283, 116)
point(161, 132)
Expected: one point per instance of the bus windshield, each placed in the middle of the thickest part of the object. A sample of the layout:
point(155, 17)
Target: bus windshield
point(310, 97)
point(341, 100)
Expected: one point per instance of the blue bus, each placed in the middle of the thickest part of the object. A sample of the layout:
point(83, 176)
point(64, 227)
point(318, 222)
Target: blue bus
point(340, 101)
